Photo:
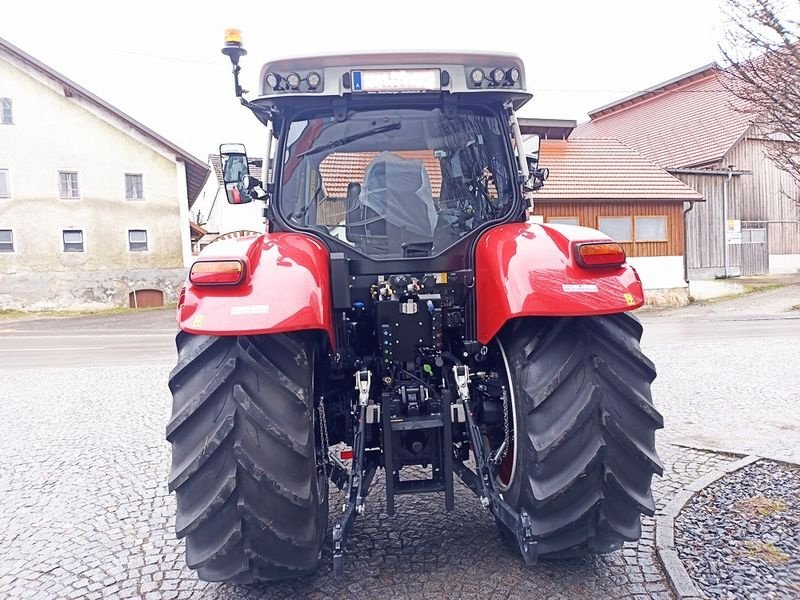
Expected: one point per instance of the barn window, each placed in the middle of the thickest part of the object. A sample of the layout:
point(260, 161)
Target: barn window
point(6, 111)
point(134, 189)
point(563, 220)
point(137, 239)
point(68, 184)
point(651, 229)
point(6, 240)
point(617, 228)
point(5, 184)
point(73, 240)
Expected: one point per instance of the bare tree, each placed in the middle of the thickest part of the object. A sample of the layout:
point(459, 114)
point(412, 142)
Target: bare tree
point(199, 218)
point(762, 51)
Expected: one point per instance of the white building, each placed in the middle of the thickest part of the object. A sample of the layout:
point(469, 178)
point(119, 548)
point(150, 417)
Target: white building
point(93, 204)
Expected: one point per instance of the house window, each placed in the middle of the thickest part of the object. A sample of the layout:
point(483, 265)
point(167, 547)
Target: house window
point(651, 229)
point(137, 240)
point(754, 236)
point(563, 220)
point(617, 228)
point(133, 187)
point(6, 111)
point(73, 240)
point(5, 184)
point(6, 240)
point(68, 184)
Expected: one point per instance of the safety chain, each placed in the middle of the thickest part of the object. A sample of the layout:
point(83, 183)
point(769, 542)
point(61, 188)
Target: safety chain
point(502, 450)
point(506, 439)
point(326, 459)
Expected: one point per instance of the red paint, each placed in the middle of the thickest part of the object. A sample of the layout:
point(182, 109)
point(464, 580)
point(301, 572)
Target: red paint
point(286, 287)
point(522, 268)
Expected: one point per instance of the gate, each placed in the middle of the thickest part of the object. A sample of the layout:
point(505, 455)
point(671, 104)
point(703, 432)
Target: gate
point(755, 248)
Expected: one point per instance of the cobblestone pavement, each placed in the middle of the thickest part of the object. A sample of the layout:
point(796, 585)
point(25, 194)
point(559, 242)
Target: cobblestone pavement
point(84, 512)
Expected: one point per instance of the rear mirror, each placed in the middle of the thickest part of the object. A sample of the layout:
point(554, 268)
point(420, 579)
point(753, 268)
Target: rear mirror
point(234, 171)
point(532, 145)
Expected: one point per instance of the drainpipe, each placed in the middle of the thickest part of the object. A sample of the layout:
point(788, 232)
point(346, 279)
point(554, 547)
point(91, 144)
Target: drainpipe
point(686, 211)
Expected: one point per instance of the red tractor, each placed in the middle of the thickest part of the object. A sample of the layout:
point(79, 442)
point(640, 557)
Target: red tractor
point(401, 309)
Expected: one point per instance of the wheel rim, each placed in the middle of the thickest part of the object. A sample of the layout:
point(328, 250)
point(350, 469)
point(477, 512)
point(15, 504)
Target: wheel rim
point(507, 468)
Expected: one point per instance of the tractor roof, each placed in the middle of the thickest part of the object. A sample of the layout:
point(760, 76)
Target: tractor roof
point(395, 72)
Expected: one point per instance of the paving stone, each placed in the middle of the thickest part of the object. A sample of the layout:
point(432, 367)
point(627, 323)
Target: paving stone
point(85, 497)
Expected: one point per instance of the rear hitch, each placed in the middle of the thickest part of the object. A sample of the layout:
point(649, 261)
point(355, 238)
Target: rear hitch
point(482, 482)
point(360, 477)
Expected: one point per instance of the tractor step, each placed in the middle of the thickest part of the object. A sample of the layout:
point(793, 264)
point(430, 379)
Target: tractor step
point(421, 422)
point(418, 486)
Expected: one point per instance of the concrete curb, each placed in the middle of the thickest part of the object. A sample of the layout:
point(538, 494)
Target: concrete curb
point(677, 576)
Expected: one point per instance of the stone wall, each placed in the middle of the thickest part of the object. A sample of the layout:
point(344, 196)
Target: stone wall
point(84, 289)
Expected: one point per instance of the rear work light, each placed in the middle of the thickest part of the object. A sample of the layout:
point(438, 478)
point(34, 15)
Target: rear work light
point(599, 254)
point(217, 272)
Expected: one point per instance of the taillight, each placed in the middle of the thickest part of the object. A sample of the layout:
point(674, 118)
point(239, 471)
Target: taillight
point(599, 254)
point(217, 272)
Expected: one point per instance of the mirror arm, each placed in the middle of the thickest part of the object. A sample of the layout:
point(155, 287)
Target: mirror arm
point(523, 161)
point(237, 89)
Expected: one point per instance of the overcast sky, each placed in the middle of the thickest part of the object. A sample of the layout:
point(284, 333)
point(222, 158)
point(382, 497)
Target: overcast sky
point(160, 61)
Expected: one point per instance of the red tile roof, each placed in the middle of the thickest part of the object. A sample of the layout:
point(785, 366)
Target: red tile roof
point(690, 121)
point(603, 170)
point(341, 168)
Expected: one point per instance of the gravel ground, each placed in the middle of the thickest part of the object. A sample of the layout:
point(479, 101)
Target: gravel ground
point(740, 537)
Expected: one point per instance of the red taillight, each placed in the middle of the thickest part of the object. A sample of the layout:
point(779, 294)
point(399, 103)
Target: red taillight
point(217, 272)
point(346, 454)
point(600, 254)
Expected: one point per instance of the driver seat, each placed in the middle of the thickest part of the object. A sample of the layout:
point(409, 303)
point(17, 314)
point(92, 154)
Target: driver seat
point(394, 208)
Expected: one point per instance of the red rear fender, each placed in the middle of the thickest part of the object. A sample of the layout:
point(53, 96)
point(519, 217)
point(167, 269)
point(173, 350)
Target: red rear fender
point(286, 287)
point(526, 269)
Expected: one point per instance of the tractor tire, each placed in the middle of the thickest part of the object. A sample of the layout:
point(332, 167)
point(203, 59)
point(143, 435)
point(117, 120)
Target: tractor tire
point(584, 449)
point(252, 504)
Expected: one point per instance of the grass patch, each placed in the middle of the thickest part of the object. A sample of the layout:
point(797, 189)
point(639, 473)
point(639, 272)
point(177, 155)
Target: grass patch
point(759, 505)
point(11, 313)
point(766, 551)
point(795, 307)
point(767, 287)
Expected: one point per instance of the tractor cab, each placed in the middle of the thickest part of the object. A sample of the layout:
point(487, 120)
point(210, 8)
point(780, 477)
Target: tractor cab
point(393, 156)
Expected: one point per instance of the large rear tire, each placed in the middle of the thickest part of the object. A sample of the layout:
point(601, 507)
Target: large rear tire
point(584, 450)
point(252, 503)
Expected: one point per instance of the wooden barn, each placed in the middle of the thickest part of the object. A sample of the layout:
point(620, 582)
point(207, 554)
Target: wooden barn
point(690, 126)
point(604, 184)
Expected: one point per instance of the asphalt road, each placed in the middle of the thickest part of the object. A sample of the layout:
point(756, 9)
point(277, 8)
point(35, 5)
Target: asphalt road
point(84, 510)
point(148, 337)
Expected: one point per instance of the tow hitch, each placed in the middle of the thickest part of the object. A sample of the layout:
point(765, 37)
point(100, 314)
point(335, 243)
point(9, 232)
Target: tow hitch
point(365, 463)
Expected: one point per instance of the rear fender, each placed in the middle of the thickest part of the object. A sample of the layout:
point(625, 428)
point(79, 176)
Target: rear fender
point(286, 287)
point(528, 269)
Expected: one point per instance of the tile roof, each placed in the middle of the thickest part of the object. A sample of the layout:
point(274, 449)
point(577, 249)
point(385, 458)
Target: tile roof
point(340, 168)
point(605, 169)
point(197, 230)
point(196, 170)
point(689, 121)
